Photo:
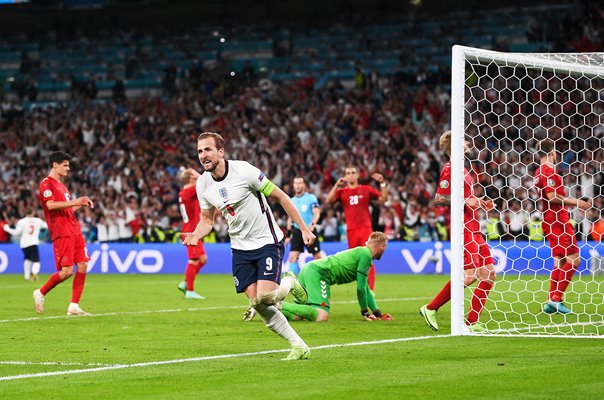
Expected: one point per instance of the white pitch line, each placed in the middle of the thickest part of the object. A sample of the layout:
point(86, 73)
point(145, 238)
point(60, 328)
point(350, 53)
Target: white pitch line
point(531, 327)
point(206, 358)
point(175, 310)
point(55, 363)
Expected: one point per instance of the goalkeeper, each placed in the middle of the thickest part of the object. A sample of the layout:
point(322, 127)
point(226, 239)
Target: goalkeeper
point(344, 267)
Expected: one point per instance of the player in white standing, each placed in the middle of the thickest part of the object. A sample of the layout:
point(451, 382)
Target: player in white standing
point(239, 191)
point(29, 229)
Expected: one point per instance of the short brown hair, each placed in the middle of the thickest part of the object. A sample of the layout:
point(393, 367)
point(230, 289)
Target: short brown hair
point(545, 147)
point(379, 237)
point(445, 142)
point(300, 177)
point(58, 157)
point(218, 140)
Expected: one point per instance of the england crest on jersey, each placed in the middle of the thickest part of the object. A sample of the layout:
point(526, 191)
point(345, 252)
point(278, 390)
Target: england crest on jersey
point(223, 193)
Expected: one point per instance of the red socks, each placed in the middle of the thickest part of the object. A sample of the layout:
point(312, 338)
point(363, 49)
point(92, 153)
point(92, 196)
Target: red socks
point(441, 298)
point(560, 281)
point(371, 277)
point(190, 274)
point(53, 281)
point(479, 298)
point(78, 286)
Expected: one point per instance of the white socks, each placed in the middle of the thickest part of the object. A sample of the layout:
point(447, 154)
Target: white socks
point(287, 284)
point(276, 322)
point(35, 268)
point(27, 269)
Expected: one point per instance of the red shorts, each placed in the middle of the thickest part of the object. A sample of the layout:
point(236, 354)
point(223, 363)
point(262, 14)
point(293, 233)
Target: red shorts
point(194, 252)
point(358, 237)
point(69, 250)
point(562, 241)
point(476, 251)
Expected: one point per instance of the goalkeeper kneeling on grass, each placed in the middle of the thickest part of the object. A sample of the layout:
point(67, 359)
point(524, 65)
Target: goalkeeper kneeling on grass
point(344, 267)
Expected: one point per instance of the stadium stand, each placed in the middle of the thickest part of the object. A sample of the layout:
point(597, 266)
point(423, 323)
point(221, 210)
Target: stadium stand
point(294, 100)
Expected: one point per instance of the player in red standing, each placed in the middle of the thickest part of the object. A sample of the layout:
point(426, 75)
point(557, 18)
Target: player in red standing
point(478, 262)
point(189, 210)
point(65, 232)
point(355, 202)
point(557, 226)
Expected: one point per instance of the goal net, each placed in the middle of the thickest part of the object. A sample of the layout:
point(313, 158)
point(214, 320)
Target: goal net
point(504, 105)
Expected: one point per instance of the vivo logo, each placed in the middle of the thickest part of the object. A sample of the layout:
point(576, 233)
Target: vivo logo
point(146, 261)
point(3, 262)
point(438, 256)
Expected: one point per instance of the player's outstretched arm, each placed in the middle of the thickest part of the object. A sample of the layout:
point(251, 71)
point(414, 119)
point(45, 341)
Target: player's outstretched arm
point(555, 198)
point(76, 204)
point(383, 187)
point(203, 228)
point(331, 196)
point(290, 208)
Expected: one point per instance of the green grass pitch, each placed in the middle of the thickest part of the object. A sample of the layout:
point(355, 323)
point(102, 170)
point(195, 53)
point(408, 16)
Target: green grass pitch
point(145, 341)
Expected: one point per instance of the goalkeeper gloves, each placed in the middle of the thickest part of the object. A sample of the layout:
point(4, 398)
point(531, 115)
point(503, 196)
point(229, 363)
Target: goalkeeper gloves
point(377, 315)
point(367, 316)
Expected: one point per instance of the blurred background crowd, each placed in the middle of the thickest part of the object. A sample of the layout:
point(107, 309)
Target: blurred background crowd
point(369, 88)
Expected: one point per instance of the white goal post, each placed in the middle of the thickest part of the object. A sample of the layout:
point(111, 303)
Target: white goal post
point(504, 104)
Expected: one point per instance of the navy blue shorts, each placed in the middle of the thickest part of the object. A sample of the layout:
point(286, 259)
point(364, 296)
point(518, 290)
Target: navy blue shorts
point(31, 253)
point(251, 266)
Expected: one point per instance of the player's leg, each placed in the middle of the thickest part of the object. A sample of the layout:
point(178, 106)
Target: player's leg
point(35, 263)
point(565, 252)
point(297, 247)
point(197, 259)
point(81, 258)
point(315, 247)
point(27, 269)
point(317, 306)
point(265, 263)
point(296, 312)
point(63, 252)
point(485, 273)
point(429, 310)
point(566, 274)
point(292, 261)
point(268, 262)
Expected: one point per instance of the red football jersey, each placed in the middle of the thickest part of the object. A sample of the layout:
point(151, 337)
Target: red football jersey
point(60, 222)
point(547, 180)
point(470, 216)
point(355, 202)
point(189, 208)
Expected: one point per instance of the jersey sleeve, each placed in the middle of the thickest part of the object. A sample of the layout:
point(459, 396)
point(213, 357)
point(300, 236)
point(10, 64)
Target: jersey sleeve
point(46, 192)
point(338, 195)
point(363, 292)
point(444, 182)
point(547, 185)
point(373, 192)
point(41, 223)
point(203, 203)
point(257, 180)
point(314, 203)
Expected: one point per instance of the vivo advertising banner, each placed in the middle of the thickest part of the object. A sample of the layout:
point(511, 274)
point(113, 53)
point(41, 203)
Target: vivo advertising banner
point(400, 258)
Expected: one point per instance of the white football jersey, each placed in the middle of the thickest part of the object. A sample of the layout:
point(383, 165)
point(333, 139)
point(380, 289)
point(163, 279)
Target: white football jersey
point(29, 229)
point(237, 197)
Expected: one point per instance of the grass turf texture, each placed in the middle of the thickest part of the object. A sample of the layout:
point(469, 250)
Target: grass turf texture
point(144, 318)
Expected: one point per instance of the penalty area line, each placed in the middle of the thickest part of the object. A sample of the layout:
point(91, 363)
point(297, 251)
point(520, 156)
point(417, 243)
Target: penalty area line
point(207, 358)
point(184, 309)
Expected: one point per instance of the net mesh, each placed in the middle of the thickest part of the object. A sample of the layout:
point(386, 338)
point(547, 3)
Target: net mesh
point(511, 102)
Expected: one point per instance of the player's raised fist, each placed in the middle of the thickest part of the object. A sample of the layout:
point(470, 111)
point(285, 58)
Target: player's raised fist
point(189, 239)
point(308, 236)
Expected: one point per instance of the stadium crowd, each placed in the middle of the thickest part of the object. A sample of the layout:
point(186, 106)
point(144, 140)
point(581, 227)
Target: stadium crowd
point(128, 151)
